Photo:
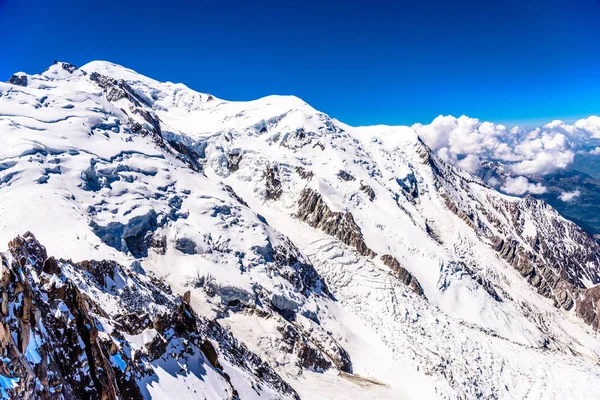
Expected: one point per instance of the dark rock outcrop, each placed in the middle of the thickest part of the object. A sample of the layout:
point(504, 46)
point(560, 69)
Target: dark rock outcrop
point(186, 245)
point(233, 194)
point(304, 174)
point(20, 80)
point(345, 176)
point(409, 185)
point(402, 274)
point(234, 158)
point(273, 188)
point(588, 306)
point(117, 89)
point(68, 307)
point(368, 190)
point(66, 66)
point(554, 255)
point(313, 352)
point(314, 211)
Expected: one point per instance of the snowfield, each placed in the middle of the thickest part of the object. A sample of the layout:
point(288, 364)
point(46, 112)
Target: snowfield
point(351, 260)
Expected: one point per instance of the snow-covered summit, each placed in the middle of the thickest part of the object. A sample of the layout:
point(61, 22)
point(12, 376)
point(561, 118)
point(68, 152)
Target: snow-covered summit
point(351, 260)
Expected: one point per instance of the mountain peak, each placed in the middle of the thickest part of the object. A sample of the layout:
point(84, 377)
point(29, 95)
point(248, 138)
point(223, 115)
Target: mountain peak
point(309, 254)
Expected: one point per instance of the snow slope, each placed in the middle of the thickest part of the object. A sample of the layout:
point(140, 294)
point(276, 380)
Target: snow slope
point(352, 260)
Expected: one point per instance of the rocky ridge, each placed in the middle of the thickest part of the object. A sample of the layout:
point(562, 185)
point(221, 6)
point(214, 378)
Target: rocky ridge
point(97, 330)
point(312, 242)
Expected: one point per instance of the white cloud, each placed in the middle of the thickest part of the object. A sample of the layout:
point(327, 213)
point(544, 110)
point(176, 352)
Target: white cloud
point(595, 151)
point(569, 196)
point(470, 163)
point(493, 182)
point(590, 124)
point(544, 162)
point(521, 185)
point(465, 142)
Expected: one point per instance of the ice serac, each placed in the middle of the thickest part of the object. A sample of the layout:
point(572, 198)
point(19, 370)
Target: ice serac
point(313, 259)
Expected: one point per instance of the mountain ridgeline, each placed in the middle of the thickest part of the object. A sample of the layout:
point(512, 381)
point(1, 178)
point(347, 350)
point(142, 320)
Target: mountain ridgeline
point(264, 250)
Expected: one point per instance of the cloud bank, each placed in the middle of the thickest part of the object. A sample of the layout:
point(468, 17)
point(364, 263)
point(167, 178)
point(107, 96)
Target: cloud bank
point(569, 196)
point(467, 142)
point(521, 185)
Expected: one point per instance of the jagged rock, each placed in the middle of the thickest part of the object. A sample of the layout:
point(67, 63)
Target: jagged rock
point(409, 185)
point(366, 189)
point(66, 66)
point(308, 355)
point(188, 155)
point(186, 246)
point(116, 89)
point(136, 127)
point(314, 211)
point(345, 176)
point(234, 158)
point(158, 242)
point(556, 271)
point(402, 274)
point(211, 354)
point(187, 297)
point(75, 356)
point(298, 139)
point(233, 194)
point(20, 80)
point(273, 188)
point(51, 266)
point(304, 174)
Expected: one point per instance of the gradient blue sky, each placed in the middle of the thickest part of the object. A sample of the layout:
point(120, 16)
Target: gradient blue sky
point(363, 62)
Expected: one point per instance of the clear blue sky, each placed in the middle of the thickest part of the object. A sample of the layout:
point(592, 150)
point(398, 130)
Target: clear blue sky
point(364, 62)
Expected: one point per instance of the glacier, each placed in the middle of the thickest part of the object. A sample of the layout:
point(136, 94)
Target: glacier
point(300, 257)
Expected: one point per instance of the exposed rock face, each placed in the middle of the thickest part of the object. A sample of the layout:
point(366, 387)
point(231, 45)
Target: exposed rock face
point(304, 174)
point(189, 156)
point(297, 270)
point(66, 66)
point(272, 183)
point(588, 306)
point(401, 273)
point(538, 274)
point(345, 176)
point(233, 194)
point(116, 89)
point(298, 139)
point(409, 185)
point(314, 350)
point(553, 254)
point(20, 80)
point(314, 211)
point(368, 190)
point(186, 245)
point(57, 341)
point(234, 158)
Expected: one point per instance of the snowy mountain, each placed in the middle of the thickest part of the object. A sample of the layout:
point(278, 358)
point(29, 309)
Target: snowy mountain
point(573, 193)
point(265, 250)
point(557, 162)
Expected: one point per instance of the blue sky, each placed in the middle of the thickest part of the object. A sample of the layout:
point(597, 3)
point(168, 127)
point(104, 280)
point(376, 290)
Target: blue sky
point(363, 62)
